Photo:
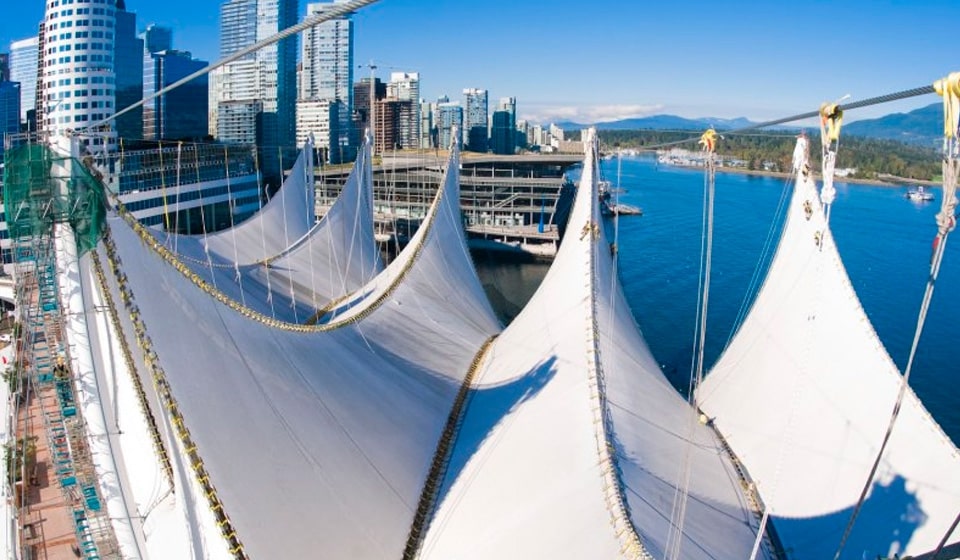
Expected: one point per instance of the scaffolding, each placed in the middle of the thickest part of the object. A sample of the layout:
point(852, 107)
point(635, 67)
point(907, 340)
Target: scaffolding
point(43, 190)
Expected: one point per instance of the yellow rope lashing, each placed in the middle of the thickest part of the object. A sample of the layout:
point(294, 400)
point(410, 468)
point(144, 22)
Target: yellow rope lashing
point(949, 89)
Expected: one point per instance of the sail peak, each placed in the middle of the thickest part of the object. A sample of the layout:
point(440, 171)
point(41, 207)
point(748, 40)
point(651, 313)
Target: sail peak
point(803, 394)
point(572, 430)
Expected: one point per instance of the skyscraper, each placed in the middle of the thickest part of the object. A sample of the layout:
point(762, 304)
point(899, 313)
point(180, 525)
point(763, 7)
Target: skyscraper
point(4, 67)
point(426, 125)
point(157, 38)
point(9, 110)
point(475, 119)
point(23, 69)
point(503, 133)
point(181, 113)
point(265, 80)
point(326, 79)
point(78, 81)
point(128, 67)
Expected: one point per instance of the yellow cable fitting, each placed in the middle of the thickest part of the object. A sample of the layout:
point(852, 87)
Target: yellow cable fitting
point(831, 119)
point(709, 140)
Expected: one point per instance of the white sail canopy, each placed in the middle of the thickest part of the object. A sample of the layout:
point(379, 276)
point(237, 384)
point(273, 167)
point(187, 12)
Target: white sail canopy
point(282, 221)
point(319, 442)
point(572, 441)
point(803, 395)
point(335, 257)
point(339, 254)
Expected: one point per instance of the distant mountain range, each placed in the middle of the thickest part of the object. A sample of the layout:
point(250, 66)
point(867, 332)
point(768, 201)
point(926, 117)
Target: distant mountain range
point(921, 126)
point(662, 122)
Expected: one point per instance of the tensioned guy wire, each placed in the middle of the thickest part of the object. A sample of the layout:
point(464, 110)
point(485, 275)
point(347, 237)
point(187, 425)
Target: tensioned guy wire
point(333, 12)
point(886, 98)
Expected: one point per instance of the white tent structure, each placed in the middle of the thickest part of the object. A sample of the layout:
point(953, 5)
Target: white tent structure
point(284, 219)
point(307, 441)
point(803, 395)
point(573, 441)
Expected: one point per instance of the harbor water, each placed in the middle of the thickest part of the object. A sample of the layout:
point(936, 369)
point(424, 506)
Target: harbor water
point(884, 240)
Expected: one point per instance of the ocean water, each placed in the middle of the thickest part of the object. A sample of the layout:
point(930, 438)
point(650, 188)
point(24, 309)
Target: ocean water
point(884, 240)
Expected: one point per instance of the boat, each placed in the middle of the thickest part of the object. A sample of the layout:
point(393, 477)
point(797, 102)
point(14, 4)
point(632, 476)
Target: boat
point(919, 194)
point(610, 205)
point(621, 209)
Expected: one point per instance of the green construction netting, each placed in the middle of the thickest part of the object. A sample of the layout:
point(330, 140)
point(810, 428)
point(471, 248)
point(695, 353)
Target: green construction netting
point(41, 188)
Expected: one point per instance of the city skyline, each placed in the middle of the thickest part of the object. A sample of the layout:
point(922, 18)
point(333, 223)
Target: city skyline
point(713, 60)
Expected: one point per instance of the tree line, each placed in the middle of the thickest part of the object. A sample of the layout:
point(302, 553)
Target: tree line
point(774, 151)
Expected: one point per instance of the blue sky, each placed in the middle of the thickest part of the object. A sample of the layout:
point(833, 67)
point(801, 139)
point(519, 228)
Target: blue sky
point(605, 59)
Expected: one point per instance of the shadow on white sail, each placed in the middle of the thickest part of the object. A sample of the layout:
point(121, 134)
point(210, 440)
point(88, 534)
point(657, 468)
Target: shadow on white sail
point(571, 439)
point(803, 396)
point(317, 443)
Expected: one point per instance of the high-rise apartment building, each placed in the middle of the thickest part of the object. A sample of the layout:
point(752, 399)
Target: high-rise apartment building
point(475, 110)
point(449, 115)
point(128, 67)
point(326, 81)
point(264, 80)
point(405, 88)
point(77, 79)
point(321, 118)
point(23, 69)
point(182, 112)
point(386, 129)
point(556, 132)
point(361, 101)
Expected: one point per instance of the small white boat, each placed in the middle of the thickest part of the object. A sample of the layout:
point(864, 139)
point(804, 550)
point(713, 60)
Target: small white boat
point(919, 194)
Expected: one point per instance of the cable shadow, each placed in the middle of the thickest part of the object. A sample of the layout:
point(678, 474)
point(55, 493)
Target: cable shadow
point(487, 407)
point(886, 524)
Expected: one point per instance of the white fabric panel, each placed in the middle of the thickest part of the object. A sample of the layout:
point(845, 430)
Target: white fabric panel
point(339, 254)
point(319, 444)
point(803, 395)
point(525, 477)
point(284, 219)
